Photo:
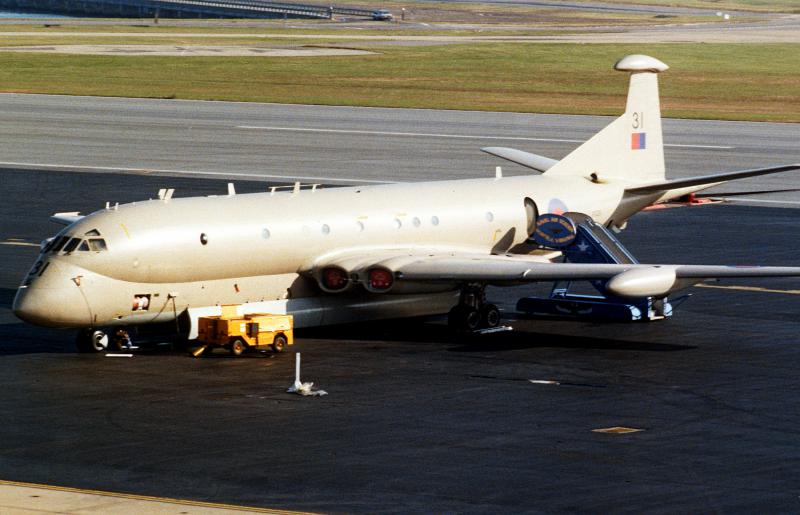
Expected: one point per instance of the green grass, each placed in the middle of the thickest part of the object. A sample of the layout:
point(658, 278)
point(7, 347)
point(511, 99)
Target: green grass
point(785, 6)
point(733, 81)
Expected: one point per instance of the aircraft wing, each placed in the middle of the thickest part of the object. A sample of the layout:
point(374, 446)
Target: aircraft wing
point(414, 267)
point(498, 269)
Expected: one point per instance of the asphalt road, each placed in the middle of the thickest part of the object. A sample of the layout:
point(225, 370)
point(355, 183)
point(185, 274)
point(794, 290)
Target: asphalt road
point(418, 422)
point(345, 145)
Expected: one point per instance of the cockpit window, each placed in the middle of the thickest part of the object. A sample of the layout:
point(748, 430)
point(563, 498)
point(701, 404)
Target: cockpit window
point(93, 232)
point(71, 245)
point(84, 246)
point(59, 243)
point(97, 244)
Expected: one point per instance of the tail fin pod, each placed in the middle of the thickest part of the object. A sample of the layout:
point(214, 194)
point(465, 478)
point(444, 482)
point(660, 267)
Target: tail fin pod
point(631, 147)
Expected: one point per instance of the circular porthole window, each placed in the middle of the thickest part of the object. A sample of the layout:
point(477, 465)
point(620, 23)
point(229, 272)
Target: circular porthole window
point(489, 216)
point(397, 223)
point(265, 233)
point(203, 238)
point(416, 222)
point(360, 226)
point(435, 220)
point(326, 229)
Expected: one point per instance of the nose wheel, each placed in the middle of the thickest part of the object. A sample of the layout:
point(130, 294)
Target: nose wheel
point(473, 312)
point(92, 340)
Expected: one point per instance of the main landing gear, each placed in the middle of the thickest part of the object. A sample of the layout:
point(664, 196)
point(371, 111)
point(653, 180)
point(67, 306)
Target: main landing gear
point(473, 312)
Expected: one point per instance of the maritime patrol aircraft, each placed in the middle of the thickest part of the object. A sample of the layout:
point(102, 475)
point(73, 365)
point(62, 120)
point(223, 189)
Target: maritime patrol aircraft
point(367, 252)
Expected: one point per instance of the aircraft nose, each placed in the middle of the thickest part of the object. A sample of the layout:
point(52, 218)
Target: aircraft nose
point(51, 307)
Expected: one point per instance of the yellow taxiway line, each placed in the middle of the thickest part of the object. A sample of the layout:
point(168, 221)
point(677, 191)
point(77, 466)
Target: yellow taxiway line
point(20, 497)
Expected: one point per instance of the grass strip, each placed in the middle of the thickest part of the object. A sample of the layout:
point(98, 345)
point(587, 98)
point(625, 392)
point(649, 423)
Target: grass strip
point(712, 81)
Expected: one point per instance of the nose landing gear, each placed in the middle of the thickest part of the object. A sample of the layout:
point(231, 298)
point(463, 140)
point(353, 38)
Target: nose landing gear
point(92, 340)
point(473, 312)
point(95, 340)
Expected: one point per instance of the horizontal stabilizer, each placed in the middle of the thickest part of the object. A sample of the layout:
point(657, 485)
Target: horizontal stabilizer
point(708, 179)
point(66, 218)
point(526, 159)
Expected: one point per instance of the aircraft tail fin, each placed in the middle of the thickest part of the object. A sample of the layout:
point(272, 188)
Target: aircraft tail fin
point(631, 147)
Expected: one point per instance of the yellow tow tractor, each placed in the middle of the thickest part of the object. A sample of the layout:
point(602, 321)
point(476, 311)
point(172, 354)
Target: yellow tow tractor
point(239, 333)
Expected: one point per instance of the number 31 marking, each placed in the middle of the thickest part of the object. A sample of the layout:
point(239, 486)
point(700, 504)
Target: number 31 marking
point(638, 120)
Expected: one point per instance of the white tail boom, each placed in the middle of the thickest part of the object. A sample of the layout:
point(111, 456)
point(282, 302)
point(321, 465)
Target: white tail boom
point(630, 149)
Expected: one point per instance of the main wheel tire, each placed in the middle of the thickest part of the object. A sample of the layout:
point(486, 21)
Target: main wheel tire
point(490, 315)
point(238, 347)
point(472, 319)
point(92, 341)
point(464, 318)
point(279, 343)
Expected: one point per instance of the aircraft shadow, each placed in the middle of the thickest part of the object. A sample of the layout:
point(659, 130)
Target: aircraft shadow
point(437, 332)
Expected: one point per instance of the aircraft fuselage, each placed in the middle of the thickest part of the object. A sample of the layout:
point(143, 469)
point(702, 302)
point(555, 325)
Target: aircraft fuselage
point(162, 257)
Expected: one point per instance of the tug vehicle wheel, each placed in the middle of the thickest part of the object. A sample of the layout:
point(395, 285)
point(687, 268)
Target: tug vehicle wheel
point(279, 343)
point(90, 340)
point(238, 347)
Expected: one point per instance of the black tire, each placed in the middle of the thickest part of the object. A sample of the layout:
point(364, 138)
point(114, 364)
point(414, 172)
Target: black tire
point(279, 343)
point(472, 319)
point(90, 340)
point(464, 319)
point(490, 316)
point(238, 347)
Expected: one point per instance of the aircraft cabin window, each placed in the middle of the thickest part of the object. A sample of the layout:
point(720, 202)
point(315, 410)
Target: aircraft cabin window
point(71, 245)
point(435, 220)
point(97, 245)
point(326, 229)
point(84, 246)
point(60, 243)
point(417, 222)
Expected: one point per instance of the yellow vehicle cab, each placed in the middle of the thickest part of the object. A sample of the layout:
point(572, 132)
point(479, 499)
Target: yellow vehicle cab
point(240, 333)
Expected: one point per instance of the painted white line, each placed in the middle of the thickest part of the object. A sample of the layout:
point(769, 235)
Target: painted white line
point(543, 381)
point(412, 134)
point(448, 136)
point(190, 173)
point(19, 243)
point(758, 201)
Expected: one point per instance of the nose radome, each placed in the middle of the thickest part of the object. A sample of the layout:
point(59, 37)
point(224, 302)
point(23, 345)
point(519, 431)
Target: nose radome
point(51, 307)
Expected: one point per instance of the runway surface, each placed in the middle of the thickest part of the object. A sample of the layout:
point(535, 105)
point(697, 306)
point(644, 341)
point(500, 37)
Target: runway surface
point(346, 145)
point(416, 421)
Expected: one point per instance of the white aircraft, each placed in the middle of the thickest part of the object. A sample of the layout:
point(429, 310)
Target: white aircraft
point(367, 252)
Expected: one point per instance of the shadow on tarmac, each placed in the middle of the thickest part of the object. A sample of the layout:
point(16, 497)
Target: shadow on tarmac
point(436, 332)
